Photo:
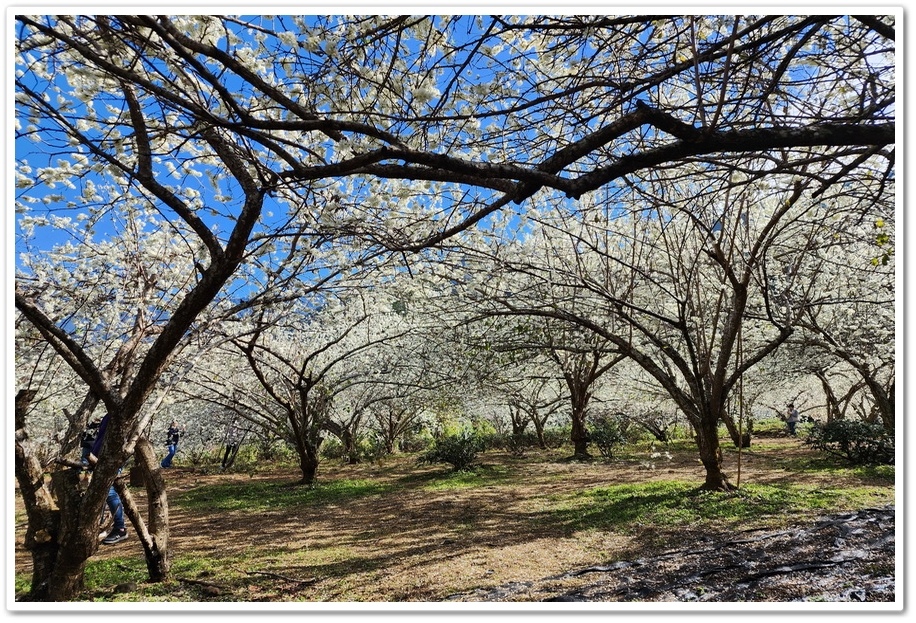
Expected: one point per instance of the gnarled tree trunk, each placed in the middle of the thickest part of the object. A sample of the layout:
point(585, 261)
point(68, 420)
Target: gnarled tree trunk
point(711, 454)
point(579, 435)
point(155, 537)
point(44, 518)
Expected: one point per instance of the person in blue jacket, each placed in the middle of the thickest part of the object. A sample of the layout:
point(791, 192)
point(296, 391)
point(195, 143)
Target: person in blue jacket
point(171, 441)
point(119, 530)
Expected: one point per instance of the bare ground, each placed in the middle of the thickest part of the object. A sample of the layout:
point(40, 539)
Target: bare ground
point(491, 543)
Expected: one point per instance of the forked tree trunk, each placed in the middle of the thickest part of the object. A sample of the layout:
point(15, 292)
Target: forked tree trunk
point(711, 454)
point(884, 401)
point(519, 420)
point(579, 434)
point(308, 465)
point(539, 431)
point(64, 526)
point(78, 533)
point(579, 397)
point(307, 440)
point(388, 440)
point(349, 444)
point(60, 539)
point(44, 518)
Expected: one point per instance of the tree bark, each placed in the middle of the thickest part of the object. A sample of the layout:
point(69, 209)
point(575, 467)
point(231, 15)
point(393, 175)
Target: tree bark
point(539, 431)
point(884, 401)
point(78, 535)
point(711, 454)
point(43, 517)
point(308, 466)
point(579, 434)
point(345, 434)
point(155, 540)
point(739, 440)
point(81, 507)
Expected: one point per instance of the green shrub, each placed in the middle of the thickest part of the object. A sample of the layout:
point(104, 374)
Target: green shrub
point(414, 442)
point(272, 449)
point(860, 443)
point(458, 450)
point(519, 444)
point(332, 448)
point(507, 442)
point(556, 437)
point(371, 448)
point(606, 435)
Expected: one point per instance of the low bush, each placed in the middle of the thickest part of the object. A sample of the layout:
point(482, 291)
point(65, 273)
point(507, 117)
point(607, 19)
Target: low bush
point(515, 444)
point(414, 441)
point(606, 435)
point(556, 437)
point(371, 448)
point(860, 443)
point(332, 448)
point(458, 450)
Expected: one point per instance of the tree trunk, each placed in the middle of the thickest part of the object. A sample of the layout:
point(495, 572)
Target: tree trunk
point(579, 435)
point(539, 431)
point(155, 540)
point(833, 407)
point(739, 440)
point(78, 534)
point(519, 421)
point(349, 443)
point(80, 509)
point(888, 414)
point(388, 440)
point(307, 452)
point(308, 465)
point(711, 454)
point(884, 402)
point(63, 519)
point(43, 516)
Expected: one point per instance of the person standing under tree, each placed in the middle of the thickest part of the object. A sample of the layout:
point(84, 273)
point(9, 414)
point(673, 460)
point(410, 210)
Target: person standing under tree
point(172, 435)
point(233, 438)
point(791, 418)
point(119, 530)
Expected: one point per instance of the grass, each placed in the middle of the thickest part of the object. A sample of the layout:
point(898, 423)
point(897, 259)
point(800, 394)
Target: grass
point(479, 476)
point(397, 531)
point(833, 465)
point(673, 504)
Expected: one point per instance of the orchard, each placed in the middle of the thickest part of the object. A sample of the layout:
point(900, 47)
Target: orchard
point(352, 237)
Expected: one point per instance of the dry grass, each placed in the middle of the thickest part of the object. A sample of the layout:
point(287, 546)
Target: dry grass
point(425, 536)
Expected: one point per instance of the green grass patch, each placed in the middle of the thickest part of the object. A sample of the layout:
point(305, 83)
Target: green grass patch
point(259, 496)
point(103, 575)
point(233, 574)
point(829, 464)
point(480, 476)
point(673, 446)
point(22, 583)
point(674, 504)
point(886, 473)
